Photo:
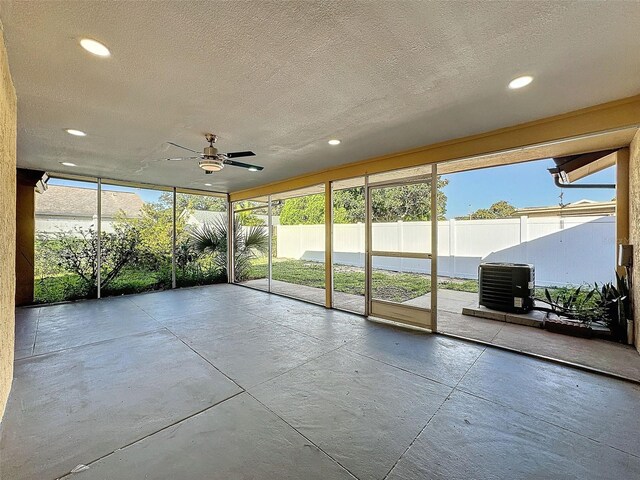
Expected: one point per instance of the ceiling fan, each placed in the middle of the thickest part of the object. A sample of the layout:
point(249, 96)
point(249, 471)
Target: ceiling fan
point(211, 161)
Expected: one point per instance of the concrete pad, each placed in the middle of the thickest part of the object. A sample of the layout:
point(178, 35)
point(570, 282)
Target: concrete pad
point(448, 300)
point(260, 354)
point(169, 304)
point(310, 294)
point(72, 325)
point(22, 352)
point(211, 326)
point(601, 354)
point(483, 312)
point(238, 439)
point(260, 283)
point(333, 330)
point(351, 303)
point(595, 406)
point(80, 404)
point(435, 357)
point(236, 293)
point(468, 327)
point(283, 308)
point(533, 318)
point(473, 438)
point(361, 412)
point(26, 327)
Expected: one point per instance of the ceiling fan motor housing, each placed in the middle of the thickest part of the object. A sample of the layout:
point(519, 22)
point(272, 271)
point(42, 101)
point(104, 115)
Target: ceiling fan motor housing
point(210, 151)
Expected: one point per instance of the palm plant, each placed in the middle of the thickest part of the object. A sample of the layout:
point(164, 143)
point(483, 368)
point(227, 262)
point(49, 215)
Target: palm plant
point(248, 243)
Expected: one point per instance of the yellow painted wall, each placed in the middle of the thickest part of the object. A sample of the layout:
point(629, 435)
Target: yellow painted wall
point(7, 223)
point(634, 228)
point(25, 235)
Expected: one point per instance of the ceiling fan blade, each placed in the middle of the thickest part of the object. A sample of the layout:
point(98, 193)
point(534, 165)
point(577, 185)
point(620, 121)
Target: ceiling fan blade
point(179, 159)
point(180, 146)
point(240, 154)
point(243, 165)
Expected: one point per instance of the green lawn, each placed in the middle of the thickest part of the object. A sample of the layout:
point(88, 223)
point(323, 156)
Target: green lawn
point(392, 286)
point(386, 285)
point(397, 287)
point(64, 287)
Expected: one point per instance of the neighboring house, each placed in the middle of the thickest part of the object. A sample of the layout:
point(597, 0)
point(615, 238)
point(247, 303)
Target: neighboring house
point(62, 208)
point(198, 217)
point(581, 208)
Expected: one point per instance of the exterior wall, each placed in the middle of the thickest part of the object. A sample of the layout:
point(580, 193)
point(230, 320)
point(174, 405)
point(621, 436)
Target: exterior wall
point(25, 234)
point(634, 229)
point(7, 223)
point(57, 224)
point(564, 250)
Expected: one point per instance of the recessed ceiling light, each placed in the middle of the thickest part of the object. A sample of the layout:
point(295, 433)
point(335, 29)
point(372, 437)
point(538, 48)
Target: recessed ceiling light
point(68, 164)
point(77, 133)
point(334, 142)
point(95, 47)
point(520, 82)
point(252, 169)
point(207, 184)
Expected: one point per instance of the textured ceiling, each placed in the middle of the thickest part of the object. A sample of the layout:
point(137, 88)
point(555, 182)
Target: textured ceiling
point(281, 78)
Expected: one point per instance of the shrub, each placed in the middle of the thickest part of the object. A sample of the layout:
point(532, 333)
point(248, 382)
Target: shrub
point(249, 243)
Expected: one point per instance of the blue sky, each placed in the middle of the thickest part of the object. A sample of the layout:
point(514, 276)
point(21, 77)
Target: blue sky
point(523, 185)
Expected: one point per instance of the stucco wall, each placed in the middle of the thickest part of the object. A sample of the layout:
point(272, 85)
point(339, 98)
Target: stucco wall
point(25, 231)
point(634, 228)
point(7, 223)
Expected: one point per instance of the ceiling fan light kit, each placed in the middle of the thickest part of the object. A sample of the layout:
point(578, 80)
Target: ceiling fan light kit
point(213, 165)
point(212, 161)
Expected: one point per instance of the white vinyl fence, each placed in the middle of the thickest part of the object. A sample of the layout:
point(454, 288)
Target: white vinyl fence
point(564, 250)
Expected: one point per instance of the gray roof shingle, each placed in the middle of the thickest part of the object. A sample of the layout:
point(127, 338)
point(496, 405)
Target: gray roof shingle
point(82, 202)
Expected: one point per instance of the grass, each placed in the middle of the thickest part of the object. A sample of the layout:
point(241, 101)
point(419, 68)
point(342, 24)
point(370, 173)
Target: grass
point(470, 286)
point(387, 285)
point(392, 286)
point(65, 287)
point(57, 288)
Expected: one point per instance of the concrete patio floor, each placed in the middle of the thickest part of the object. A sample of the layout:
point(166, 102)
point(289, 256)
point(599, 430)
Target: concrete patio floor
point(225, 382)
point(600, 355)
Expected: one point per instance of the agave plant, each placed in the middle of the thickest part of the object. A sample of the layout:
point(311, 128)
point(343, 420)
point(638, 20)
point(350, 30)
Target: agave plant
point(572, 303)
point(615, 303)
point(248, 243)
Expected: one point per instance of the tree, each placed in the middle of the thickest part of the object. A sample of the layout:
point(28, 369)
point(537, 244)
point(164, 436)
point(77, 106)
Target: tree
point(248, 243)
point(307, 210)
point(77, 252)
point(249, 217)
point(409, 203)
point(155, 228)
point(501, 209)
point(403, 202)
point(193, 202)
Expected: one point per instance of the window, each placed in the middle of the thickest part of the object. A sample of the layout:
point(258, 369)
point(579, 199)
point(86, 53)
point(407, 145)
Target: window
point(299, 244)
point(349, 245)
point(136, 239)
point(66, 217)
point(201, 239)
point(251, 243)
